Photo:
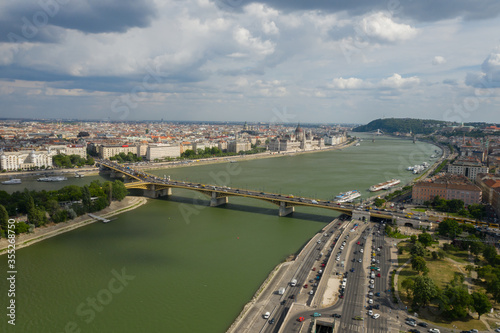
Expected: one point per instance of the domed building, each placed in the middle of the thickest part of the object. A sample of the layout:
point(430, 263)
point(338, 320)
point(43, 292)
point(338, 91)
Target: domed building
point(299, 140)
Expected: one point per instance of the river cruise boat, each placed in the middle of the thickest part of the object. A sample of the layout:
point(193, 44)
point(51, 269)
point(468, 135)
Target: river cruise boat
point(347, 196)
point(52, 179)
point(12, 181)
point(385, 185)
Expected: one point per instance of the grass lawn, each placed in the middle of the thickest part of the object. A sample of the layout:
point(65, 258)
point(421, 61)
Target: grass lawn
point(419, 210)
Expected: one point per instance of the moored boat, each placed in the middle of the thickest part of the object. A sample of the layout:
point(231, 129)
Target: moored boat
point(385, 185)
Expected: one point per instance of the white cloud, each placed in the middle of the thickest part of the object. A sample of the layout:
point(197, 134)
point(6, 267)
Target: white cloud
point(349, 83)
point(381, 26)
point(396, 81)
point(253, 44)
point(438, 60)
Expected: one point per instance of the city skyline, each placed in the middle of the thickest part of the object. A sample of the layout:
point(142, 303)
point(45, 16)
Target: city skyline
point(271, 61)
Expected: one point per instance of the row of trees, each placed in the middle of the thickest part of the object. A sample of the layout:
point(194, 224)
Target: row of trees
point(70, 161)
point(216, 152)
point(476, 211)
point(42, 207)
point(129, 157)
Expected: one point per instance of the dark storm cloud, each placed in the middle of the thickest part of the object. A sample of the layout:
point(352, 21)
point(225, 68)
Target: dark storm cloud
point(37, 21)
point(101, 83)
point(420, 10)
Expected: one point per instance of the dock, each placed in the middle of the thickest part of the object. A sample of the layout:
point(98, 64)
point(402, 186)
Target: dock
point(102, 219)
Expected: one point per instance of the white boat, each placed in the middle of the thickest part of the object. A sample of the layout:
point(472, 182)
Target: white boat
point(347, 196)
point(357, 144)
point(52, 179)
point(78, 175)
point(12, 181)
point(385, 185)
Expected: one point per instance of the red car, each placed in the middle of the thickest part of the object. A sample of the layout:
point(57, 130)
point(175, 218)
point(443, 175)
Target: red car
point(301, 319)
point(378, 275)
point(314, 268)
point(305, 286)
point(323, 265)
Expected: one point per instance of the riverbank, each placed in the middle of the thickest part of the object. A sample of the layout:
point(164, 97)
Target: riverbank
point(39, 234)
point(237, 158)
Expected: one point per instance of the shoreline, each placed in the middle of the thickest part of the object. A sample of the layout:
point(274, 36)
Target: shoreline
point(25, 240)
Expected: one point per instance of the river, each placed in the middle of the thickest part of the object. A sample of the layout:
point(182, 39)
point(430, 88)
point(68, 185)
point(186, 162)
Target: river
point(177, 265)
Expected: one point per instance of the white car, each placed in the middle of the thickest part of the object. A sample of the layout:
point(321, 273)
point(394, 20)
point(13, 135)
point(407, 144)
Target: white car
point(370, 301)
point(311, 292)
point(361, 250)
point(370, 293)
point(435, 330)
point(370, 312)
point(375, 316)
point(360, 260)
point(266, 315)
point(372, 281)
point(372, 286)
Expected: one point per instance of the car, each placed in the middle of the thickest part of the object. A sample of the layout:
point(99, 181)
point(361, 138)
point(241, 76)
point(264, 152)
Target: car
point(292, 296)
point(311, 292)
point(435, 330)
point(411, 323)
point(305, 286)
point(352, 269)
point(370, 301)
point(336, 315)
point(372, 281)
point(371, 286)
point(412, 330)
point(360, 260)
point(377, 294)
point(301, 319)
point(423, 324)
point(267, 314)
point(370, 312)
point(358, 318)
point(375, 316)
point(378, 275)
point(314, 268)
point(376, 306)
point(496, 330)
point(474, 331)
point(316, 314)
point(271, 321)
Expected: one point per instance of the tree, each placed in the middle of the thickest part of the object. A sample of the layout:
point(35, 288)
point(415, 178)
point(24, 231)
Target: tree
point(408, 284)
point(489, 253)
point(480, 303)
point(86, 201)
point(459, 301)
point(413, 239)
point(494, 289)
point(417, 250)
point(424, 290)
point(448, 228)
point(119, 190)
point(469, 268)
point(425, 239)
point(435, 255)
point(379, 202)
point(418, 264)
point(4, 218)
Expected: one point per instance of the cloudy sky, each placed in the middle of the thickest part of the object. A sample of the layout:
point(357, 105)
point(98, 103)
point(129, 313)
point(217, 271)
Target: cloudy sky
point(272, 61)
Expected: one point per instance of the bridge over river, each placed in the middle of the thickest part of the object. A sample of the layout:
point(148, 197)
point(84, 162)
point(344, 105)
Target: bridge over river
point(154, 187)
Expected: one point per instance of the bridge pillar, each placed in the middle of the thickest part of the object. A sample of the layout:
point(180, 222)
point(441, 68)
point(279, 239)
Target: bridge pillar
point(165, 192)
point(151, 194)
point(285, 210)
point(214, 201)
point(361, 215)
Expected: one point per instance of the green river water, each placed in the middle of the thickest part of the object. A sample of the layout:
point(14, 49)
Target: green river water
point(184, 266)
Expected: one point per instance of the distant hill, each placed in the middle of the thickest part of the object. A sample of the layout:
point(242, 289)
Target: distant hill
point(402, 125)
